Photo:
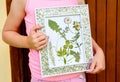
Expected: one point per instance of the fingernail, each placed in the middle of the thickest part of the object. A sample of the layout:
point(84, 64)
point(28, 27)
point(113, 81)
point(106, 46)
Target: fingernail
point(88, 70)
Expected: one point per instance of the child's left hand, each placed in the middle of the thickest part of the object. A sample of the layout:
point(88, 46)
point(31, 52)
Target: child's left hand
point(98, 62)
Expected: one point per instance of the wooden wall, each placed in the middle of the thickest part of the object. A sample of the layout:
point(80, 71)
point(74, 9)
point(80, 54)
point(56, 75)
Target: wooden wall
point(105, 25)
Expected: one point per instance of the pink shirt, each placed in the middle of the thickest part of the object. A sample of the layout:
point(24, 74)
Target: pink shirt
point(34, 62)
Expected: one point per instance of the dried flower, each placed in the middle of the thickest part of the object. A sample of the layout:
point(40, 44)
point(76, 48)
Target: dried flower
point(76, 25)
point(67, 20)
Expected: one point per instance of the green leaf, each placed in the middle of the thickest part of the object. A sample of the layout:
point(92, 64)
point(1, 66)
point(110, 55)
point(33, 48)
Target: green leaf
point(64, 61)
point(59, 53)
point(71, 46)
point(65, 46)
point(53, 25)
point(76, 55)
point(77, 58)
point(64, 52)
point(67, 42)
point(77, 36)
point(72, 52)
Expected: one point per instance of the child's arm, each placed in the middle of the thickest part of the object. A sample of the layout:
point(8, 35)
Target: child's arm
point(10, 31)
point(12, 24)
point(81, 1)
point(98, 62)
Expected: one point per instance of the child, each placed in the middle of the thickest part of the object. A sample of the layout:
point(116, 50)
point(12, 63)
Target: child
point(24, 9)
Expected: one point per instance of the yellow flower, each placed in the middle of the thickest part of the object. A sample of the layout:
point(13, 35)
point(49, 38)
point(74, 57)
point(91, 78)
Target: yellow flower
point(76, 25)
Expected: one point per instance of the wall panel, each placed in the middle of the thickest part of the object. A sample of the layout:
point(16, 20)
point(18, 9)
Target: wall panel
point(111, 40)
point(118, 43)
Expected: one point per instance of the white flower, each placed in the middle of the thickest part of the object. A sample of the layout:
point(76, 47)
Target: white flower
point(67, 20)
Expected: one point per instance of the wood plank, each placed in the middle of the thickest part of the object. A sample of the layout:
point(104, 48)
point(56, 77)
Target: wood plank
point(111, 40)
point(118, 43)
point(14, 64)
point(101, 29)
point(92, 10)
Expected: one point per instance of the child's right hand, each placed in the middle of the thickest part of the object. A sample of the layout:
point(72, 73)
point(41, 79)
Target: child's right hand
point(37, 40)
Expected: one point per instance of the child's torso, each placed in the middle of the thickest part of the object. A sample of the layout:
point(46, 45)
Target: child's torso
point(31, 5)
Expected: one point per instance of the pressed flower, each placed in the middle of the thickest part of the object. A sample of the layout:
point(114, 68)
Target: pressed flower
point(76, 25)
point(67, 20)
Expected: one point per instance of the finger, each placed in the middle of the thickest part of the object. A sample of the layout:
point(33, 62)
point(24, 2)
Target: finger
point(42, 46)
point(42, 38)
point(39, 40)
point(35, 28)
point(92, 67)
point(39, 36)
point(96, 70)
point(42, 42)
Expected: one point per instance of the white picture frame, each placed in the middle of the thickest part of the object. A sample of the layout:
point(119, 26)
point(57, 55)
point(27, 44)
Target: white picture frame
point(69, 49)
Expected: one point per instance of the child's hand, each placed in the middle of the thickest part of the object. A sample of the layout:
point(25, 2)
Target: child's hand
point(98, 62)
point(37, 40)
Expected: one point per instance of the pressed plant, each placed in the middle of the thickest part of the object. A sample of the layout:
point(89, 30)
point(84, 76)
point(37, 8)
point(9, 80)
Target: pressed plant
point(68, 47)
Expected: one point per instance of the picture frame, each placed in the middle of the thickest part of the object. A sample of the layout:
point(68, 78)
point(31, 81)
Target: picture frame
point(69, 49)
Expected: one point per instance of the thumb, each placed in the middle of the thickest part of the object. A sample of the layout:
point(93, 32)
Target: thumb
point(92, 66)
point(35, 28)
